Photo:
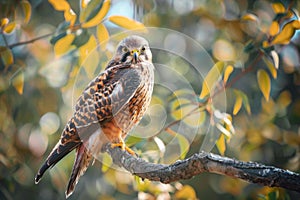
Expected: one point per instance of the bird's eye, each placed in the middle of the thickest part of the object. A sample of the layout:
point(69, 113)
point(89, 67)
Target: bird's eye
point(125, 49)
point(143, 49)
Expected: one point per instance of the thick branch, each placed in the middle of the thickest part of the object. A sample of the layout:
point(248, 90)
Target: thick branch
point(206, 162)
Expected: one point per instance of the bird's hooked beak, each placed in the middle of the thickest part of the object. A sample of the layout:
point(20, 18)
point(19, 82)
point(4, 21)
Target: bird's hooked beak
point(135, 55)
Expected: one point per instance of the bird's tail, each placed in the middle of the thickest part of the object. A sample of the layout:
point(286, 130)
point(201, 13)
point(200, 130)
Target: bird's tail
point(82, 161)
point(58, 152)
point(68, 142)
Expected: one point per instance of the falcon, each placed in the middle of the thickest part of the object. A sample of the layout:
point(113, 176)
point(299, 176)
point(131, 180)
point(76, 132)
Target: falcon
point(110, 106)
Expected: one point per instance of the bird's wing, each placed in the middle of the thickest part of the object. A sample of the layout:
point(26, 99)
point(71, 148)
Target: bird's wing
point(106, 95)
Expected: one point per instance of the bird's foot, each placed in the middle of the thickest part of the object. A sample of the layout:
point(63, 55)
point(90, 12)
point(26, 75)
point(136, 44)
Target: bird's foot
point(123, 147)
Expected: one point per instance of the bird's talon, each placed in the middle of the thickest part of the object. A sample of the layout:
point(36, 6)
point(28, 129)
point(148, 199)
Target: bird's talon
point(124, 148)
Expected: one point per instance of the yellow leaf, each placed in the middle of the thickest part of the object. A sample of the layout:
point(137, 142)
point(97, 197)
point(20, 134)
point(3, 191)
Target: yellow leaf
point(278, 8)
point(250, 17)
point(4, 22)
point(238, 103)
point(102, 35)
point(228, 71)
point(211, 78)
point(270, 66)
point(91, 7)
point(60, 5)
point(70, 16)
point(265, 44)
point(126, 22)
point(186, 192)
point(64, 44)
point(27, 10)
point(264, 83)
point(274, 28)
point(99, 16)
point(84, 3)
point(221, 144)
point(87, 48)
point(244, 99)
point(296, 24)
point(6, 56)
point(9, 28)
point(284, 99)
point(18, 82)
point(285, 35)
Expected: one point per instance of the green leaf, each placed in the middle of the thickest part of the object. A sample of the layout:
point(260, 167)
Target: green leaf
point(99, 16)
point(82, 39)
point(102, 35)
point(211, 79)
point(264, 83)
point(127, 23)
point(6, 56)
point(26, 10)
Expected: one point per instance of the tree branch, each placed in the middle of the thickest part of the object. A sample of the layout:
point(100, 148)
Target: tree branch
point(206, 162)
point(30, 41)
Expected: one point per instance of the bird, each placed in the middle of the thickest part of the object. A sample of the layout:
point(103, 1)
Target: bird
point(108, 108)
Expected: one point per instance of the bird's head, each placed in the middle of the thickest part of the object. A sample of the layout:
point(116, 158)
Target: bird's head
point(133, 49)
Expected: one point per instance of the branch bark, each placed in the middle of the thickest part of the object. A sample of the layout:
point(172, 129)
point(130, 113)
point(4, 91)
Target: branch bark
point(206, 162)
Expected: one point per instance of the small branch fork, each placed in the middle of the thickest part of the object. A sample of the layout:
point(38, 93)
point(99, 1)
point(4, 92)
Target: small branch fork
point(206, 162)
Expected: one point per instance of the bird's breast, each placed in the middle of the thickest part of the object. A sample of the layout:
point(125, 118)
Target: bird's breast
point(133, 111)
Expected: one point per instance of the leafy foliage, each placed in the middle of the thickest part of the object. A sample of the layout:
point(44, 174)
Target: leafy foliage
point(256, 50)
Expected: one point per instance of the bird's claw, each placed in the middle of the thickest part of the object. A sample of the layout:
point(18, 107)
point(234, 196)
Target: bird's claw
point(123, 147)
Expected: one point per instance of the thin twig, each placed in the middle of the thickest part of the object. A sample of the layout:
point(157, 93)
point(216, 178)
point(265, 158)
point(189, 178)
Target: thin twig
point(30, 41)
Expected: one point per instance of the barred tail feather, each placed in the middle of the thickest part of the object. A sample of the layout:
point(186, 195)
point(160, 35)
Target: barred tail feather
point(56, 155)
point(82, 161)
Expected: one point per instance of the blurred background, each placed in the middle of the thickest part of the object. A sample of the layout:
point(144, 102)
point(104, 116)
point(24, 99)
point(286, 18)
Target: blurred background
point(41, 79)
